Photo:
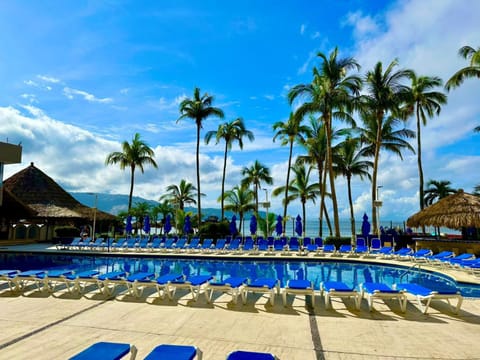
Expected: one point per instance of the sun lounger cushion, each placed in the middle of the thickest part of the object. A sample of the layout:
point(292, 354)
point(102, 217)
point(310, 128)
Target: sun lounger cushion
point(172, 352)
point(104, 351)
point(249, 355)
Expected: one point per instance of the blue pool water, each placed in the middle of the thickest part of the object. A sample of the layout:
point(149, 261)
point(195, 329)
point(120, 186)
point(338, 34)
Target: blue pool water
point(352, 273)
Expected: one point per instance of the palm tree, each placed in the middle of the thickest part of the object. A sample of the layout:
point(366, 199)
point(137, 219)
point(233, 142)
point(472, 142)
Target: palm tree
point(332, 95)
point(164, 208)
point(230, 132)
point(300, 188)
point(349, 161)
point(425, 103)
point(437, 190)
point(289, 132)
point(476, 190)
point(198, 109)
point(385, 95)
point(239, 200)
point(136, 154)
point(139, 210)
point(255, 175)
point(470, 71)
point(180, 195)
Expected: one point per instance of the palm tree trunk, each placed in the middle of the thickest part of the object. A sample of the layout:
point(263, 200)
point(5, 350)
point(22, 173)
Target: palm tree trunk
point(286, 186)
point(322, 198)
point(332, 178)
point(350, 201)
point(304, 213)
point(256, 198)
point(327, 219)
point(199, 206)
point(223, 178)
point(420, 168)
point(378, 144)
point(132, 180)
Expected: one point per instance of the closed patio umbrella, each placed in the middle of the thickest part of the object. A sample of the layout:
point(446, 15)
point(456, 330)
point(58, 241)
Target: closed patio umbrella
point(454, 211)
point(253, 225)
point(146, 224)
point(168, 225)
point(279, 226)
point(128, 226)
point(365, 227)
point(233, 225)
point(298, 225)
point(187, 226)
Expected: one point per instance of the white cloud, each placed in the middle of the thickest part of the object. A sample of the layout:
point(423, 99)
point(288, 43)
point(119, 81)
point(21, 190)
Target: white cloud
point(363, 25)
point(303, 27)
point(315, 35)
point(71, 93)
point(49, 79)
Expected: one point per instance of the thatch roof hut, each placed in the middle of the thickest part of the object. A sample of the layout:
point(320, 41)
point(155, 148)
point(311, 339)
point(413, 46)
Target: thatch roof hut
point(454, 211)
point(47, 199)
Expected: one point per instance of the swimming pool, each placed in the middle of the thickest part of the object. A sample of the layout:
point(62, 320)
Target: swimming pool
point(352, 273)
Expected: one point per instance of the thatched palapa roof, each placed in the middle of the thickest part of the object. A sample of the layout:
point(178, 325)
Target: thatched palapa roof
point(43, 195)
point(454, 211)
point(12, 207)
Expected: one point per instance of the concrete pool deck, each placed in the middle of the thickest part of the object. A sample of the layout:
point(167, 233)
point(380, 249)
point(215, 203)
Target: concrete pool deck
point(37, 325)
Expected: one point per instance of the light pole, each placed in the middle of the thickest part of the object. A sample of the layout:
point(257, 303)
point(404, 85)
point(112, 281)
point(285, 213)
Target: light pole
point(266, 205)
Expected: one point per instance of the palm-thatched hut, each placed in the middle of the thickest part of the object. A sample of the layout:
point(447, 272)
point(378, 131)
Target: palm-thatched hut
point(454, 211)
point(49, 206)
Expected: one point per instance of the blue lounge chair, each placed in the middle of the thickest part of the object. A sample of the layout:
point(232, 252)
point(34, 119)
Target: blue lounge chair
point(437, 259)
point(106, 351)
point(52, 278)
point(174, 352)
point(423, 294)
point(22, 279)
point(316, 247)
point(420, 255)
point(382, 291)
point(85, 278)
point(162, 283)
point(385, 251)
point(169, 244)
point(262, 285)
point(235, 245)
point(249, 245)
point(293, 244)
point(298, 287)
point(7, 275)
point(207, 245)
point(339, 289)
point(402, 252)
point(111, 278)
point(73, 244)
point(279, 245)
point(131, 244)
point(232, 286)
point(361, 249)
point(329, 248)
point(193, 244)
point(361, 241)
point(345, 249)
point(250, 355)
point(262, 245)
point(136, 281)
point(85, 243)
point(376, 246)
point(142, 244)
point(155, 244)
point(220, 245)
point(119, 244)
point(195, 284)
point(180, 244)
point(95, 245)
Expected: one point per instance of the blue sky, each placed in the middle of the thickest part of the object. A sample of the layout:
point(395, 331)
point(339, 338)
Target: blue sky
point(78, 78)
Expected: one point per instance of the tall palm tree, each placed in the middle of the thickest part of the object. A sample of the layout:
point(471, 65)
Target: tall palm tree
point(256, 175)
point(133, 155)
point(470, 71)
point(230, 132)
point(239, 200)
point(425, 102)
point(332, 95)
point(384, 97)
point(288, 132)
point(349, 161)
point(300, 188)
point(436, 190)
point(180, 195)
point(198, 109)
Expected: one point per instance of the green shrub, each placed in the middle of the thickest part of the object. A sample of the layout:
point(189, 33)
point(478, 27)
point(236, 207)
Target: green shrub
point(337, 241)
point(67, 231)
point(214, 230)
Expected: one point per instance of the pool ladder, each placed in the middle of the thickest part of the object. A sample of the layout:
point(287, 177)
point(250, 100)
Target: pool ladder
point(409, 270)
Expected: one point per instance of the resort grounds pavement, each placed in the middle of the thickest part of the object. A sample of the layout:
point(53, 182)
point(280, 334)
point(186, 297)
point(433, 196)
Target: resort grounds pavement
point(56, 326)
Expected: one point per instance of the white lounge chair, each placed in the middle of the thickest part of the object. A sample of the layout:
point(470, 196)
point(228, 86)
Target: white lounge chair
point(232, 286)
point(262, 285)
point(423, 294)
point(339, 289)
point(382, 291)
point(195, 284)
point(298, 287)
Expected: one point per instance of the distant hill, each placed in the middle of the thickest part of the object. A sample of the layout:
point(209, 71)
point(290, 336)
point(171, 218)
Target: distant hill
point(114, 203)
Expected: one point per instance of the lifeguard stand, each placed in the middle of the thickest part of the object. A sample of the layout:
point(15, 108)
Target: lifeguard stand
point(9, 154)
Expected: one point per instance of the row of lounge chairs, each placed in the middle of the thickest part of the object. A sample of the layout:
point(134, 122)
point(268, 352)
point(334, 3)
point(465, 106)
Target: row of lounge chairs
point(166, 285)
point(115, 351)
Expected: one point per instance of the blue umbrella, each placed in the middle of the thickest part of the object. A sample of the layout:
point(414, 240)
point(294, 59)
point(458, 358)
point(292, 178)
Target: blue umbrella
point(253, 225)
point(298, 225)
point(233, 225)
point(279, 226)
point(187, 226)
point(146, 224)
point(129, 227)
point(168, 225)
point(365, 226)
